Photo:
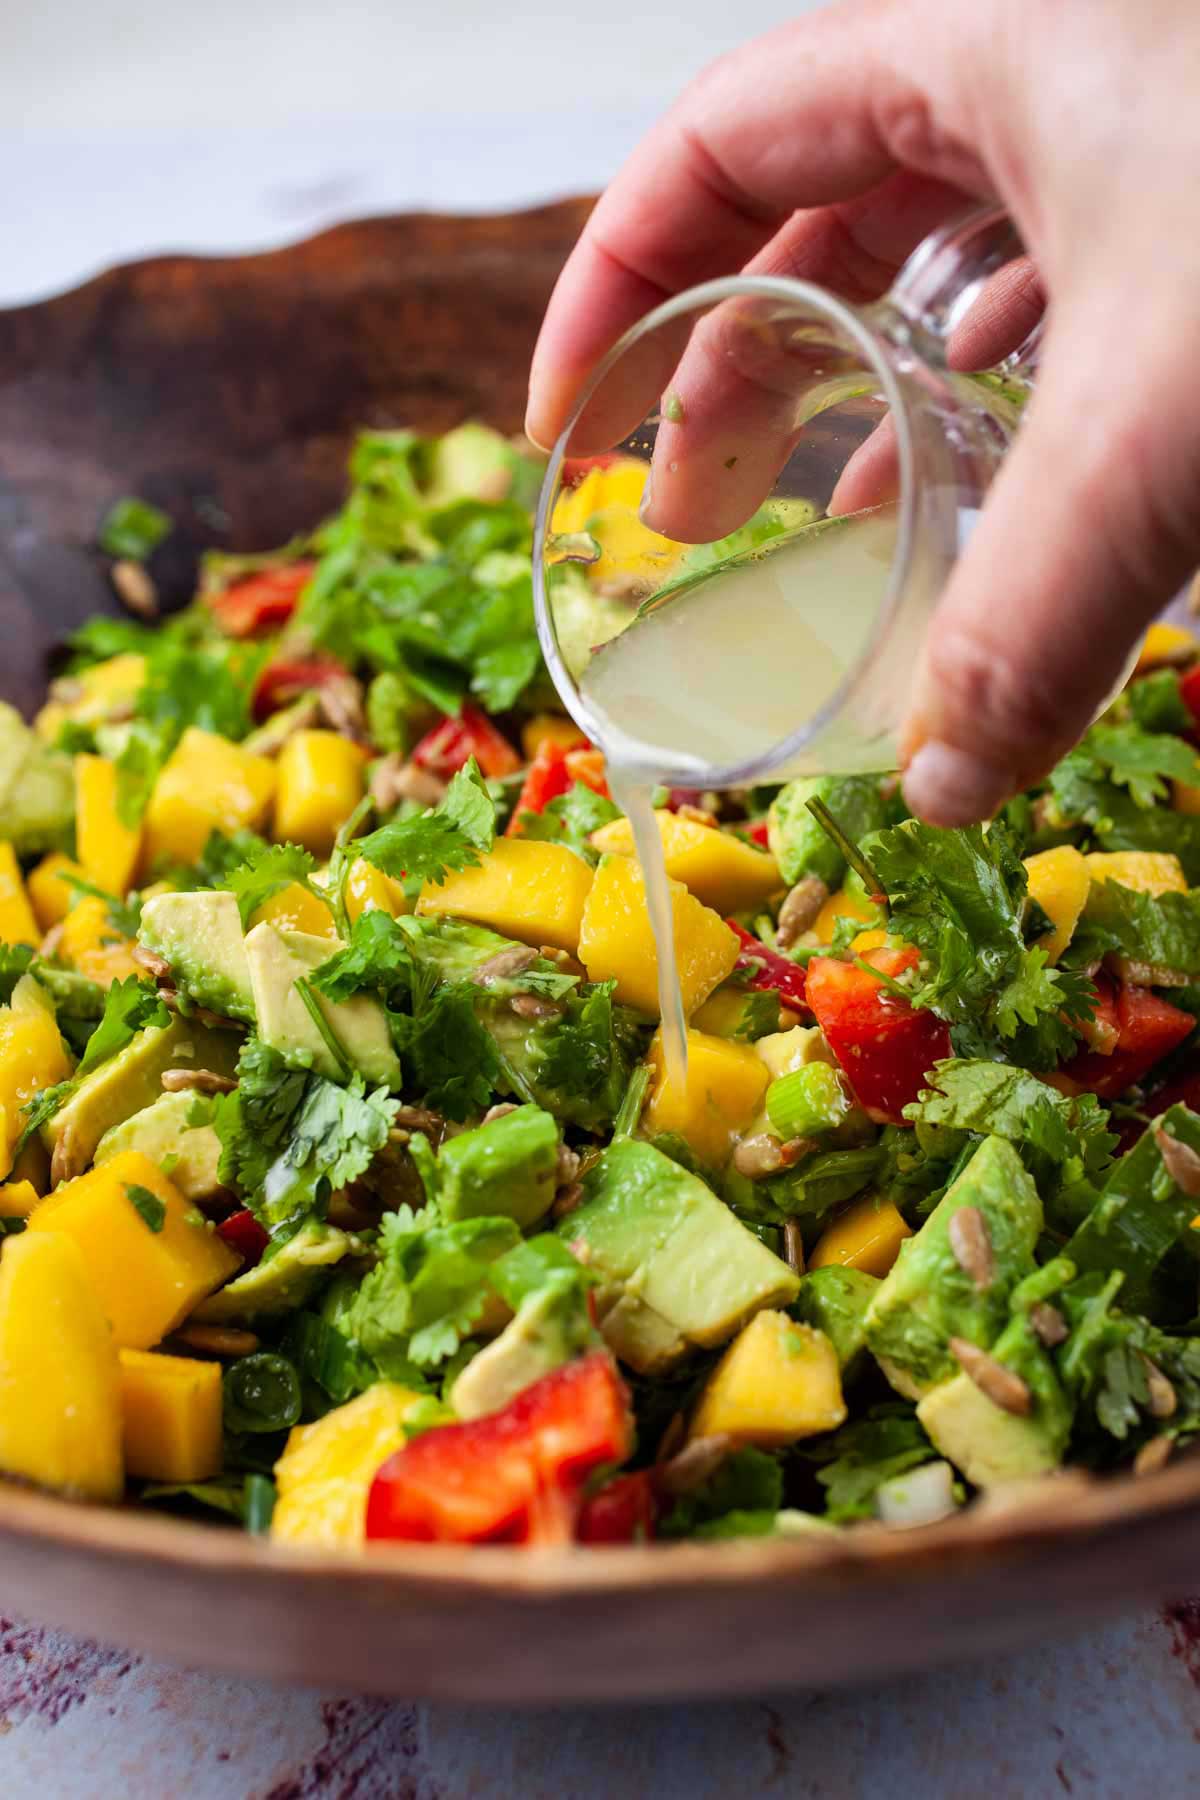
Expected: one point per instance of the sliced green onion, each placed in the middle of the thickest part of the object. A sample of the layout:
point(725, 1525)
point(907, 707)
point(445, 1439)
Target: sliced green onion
point(258, 1504)
point(807, 1102)
point(261, 1393)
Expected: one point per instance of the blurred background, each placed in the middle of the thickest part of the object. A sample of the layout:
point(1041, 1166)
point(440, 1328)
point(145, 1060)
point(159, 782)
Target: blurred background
point(127, 129)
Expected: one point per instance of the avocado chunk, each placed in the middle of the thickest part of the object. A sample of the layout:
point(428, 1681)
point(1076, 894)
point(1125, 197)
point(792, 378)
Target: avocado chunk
point(549, 1328)
point(189, 1154)
point(278, 960)
point(288, 1276)
point(131, 1081)
point(658, 1232)
point(472, 462)
point(506, 1167)
point(37, 788)
point(200, 935)
point(989, 1445)
point(835, 1300)
point(928, 1297)
point(797, 842)
point(635, 1333)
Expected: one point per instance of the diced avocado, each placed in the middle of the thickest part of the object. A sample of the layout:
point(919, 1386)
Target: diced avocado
point(287, 1277)
point(928, 1297)
point(783, 1051)
point(200, 935)
point(132, 1080)
point(988, 1444)
point(635, 1333)
point(472, 462)
point(549, 1328)
point(507, 1167)
point(798, 843)
point(37, 788)
point(189, 1154)
point(529, 1055)
point(278, 960)
point(835, 1301)
point(662, 1235)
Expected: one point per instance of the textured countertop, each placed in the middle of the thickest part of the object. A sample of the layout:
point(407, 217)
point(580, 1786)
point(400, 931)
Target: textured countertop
point(1113, 1713)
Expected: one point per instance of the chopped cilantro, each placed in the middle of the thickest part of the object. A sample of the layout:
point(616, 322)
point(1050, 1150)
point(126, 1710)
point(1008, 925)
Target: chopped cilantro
point(429, 1290)
point(150, 1209)
point(447, 1054)
point(129, 1006)
point(571, 819)
point(886, 1441)
point(265, 872)
point(449, 836)
point(132, 529)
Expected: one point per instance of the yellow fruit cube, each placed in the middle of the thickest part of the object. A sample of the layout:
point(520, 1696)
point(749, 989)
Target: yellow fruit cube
point(107, 848)
point(550, 728)
point(843, 906)
point(1059, 880)
point(526, 890)
point(720, 870)
point(151, 1257)
point(367, 887)
point(17, 923)
point(723, 1014)
point(60, 1424)
point(206, 785)
point(777, 1382)
point(1163, 642)
point(326, 1470)
point(171, 1416)
point(101, 692)
point(606, 502)
point(321, 778)
point(32, 1057)
point(50, 895)
point(722, 1092)
point(91, 943)
point(294, 908)
point(616, 938)
point(1145, 871)
point(867, 1235)
point(17, 1199)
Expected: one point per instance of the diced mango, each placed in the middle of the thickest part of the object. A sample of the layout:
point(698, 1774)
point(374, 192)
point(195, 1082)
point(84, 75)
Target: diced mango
point(1145, 871)
point(32, 1057)
point(207, 784)
point(321, 779)
point(50, 894)
point(294, 908)
point(1163, 642)
point(550, 728)
point(148, 1276)
point(107, 848)
point(91, 943)
point(527, 890)
point(94, 695)
point(867, 1235)
point(17, 923)
point(17, 1199)
point(724, 1012)
point(616, 938)
point(368, 887)
point(1059, 880)
point(326, 1470)
point(171, 1416)
point(777, 1382)
point(721, 870)
point(32, 1167)
point(60, 1402)
point(843, 906)
point(722, 1092)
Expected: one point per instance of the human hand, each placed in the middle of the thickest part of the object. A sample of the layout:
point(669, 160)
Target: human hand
point(826, 150)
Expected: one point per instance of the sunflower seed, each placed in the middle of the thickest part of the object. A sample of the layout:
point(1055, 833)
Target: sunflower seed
point(178, 1081)
point(532, 1006)
point(758, 1156)
point(692, 1466)
point(1048, 1324)
point(1154, 1455)
point(569, 1200)
point(394, 779)
point(972, 1246)
point(1180, 1161)
point(216, 1340)
point(505, 965)
point(799, 911)
point(1002, 1387)
point(156, 965)
point(135, 590)
point(793, 1246)
point(1163, 1399)
point(568, 1166)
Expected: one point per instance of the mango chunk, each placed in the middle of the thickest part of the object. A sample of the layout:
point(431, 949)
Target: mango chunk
point(606, 503)
point(532, 892)
point(1163, 642)
point(616, 939)
point(1145, 871)
point(92, 696)
point(321, 777)
point(294, 908)
point(867, 1236)
point(722, 871)
point(148, 1272)
point(17, 923)
point(326, 1470)
point(777, 1382)
point(1059, 880)
point(50, 895)
point(723, 1090)
point(843, 906)
point(17, 1199)
point(368, 887)
point(171, 1416)
point(107, 848)
point(206, 785)
point(32, 1057)
point(60, 1402)
point(91, 943)
point(550, 728)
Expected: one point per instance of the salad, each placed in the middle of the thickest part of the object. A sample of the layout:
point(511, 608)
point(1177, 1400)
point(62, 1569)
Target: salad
point(347, 1194)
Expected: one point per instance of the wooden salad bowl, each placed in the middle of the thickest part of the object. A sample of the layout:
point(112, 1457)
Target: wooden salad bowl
point(227, 391)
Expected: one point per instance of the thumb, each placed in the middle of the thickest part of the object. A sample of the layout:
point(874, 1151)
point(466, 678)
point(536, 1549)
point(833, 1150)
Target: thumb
point(1089, 529)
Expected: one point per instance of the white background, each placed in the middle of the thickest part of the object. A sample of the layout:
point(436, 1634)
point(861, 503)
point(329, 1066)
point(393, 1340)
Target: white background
point(134, 126)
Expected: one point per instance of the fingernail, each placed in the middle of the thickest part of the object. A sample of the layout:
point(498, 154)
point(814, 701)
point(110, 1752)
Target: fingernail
point(646, 503)
point(947, 786)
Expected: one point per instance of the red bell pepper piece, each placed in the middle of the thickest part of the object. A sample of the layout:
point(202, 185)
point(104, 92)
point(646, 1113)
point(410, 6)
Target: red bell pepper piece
point(758, 833)
point(261, 602)
point(576, 467)
point(290, 676)
point(768, 970)
point(587, 765)
point(546, 779)
point(451, 745)
point(1147, 1029)
point(1189, 692)
point(885, 1047)
point(624, 1512)
point(243, 1233)
point(514, 1477)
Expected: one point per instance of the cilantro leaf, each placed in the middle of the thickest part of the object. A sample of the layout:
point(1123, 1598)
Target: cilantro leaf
point(267, 871)
point(124, 916)
point(14, 962)
point(1001, 1100)
point(129, 1006)
point(571, 819)
point(43, 1106)
point(429, 1289)
point(1155, 703)
point(858, 1458)
point(150, 1209)
point(132, 529)
point(378, 956)
point(1160, 929)
point(1142, 760)
point(446, 837)
point(252, 1123)
point(749, 1481)
point(447, 1054)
